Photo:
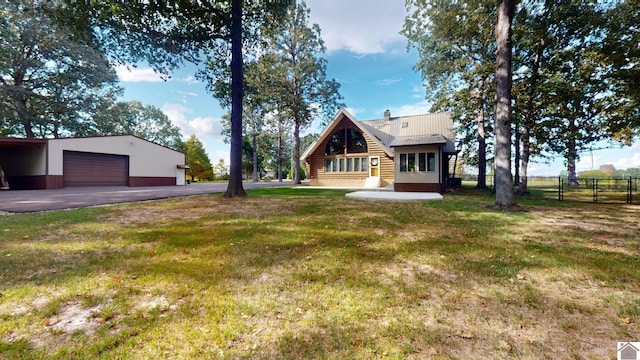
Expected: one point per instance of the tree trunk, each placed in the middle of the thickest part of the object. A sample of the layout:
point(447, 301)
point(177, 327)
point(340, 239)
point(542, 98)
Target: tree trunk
point(254, 142)
point(516, 157)
point(296, 151)
point(527, 125)
point(526, 151)
point(482, 150)
point(504, 182)
point(572, 155)
point(280, 157)
point(234, 188)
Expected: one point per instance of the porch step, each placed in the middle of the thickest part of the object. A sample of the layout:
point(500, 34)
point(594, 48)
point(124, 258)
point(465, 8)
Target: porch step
point(372, 183)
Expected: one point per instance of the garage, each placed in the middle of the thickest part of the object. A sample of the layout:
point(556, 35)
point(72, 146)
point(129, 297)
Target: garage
point(92, 169)
point(119, 160)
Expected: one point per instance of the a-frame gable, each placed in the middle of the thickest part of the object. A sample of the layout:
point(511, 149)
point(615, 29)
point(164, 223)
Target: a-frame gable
point(328, 131)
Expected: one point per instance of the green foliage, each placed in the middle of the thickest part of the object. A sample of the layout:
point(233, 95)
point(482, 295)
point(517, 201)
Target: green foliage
point(52, 79)
point(593, 174)
point(456, 47)
point(631, 172)
point(220, 171)
point(197, 159)
point(165, 34)
point(134, 118)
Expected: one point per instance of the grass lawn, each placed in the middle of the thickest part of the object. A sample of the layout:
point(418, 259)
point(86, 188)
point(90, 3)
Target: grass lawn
point(303, 273)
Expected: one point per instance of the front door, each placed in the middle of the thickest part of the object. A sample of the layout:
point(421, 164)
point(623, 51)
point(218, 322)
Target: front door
point(374, 166)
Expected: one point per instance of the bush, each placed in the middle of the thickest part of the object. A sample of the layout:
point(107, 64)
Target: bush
point(593, 174)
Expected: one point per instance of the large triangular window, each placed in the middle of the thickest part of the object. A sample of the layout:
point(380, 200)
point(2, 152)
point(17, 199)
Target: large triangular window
point(346, 141)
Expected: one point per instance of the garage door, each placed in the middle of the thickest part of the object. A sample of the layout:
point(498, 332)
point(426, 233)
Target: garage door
point(90, 169)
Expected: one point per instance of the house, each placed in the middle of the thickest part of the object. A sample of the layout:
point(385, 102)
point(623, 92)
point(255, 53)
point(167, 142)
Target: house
point(122, 160)
point(626, 351)
point(409, 152)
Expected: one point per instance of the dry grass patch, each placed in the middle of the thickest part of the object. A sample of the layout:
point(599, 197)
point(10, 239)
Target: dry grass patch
point(301, 274)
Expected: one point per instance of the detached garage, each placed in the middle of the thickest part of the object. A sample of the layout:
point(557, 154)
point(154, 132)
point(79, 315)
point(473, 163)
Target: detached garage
point(93, 161)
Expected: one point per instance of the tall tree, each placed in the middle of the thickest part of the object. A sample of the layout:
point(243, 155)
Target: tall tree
point(297, 75)
point(502, 123)
point(52, 81)
point(134, 118)
point(457, 57)
point(197, 160)
point(167, 33)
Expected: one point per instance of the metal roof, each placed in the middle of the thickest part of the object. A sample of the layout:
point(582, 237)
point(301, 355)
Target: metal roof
point(414, 130)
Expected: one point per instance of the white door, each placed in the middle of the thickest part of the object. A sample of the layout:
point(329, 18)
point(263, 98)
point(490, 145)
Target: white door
point(374, 166)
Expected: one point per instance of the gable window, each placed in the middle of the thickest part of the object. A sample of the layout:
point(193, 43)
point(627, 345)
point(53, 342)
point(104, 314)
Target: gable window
point(355, 142)
point(426, 161)
point(346, 141)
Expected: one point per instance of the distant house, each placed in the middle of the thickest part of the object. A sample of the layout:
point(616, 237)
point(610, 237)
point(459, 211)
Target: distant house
point(409, 152)
point(124, 160)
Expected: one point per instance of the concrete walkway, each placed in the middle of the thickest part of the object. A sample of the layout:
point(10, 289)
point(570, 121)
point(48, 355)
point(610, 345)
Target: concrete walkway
point(386, 193)
point(396, 196)
point(17, 201)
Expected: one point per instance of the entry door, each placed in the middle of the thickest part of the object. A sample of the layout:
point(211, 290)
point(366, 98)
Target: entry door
point(374, 166)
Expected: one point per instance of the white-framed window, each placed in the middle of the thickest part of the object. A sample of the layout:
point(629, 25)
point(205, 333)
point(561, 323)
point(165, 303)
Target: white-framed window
point(426, 161)
point(345, 164)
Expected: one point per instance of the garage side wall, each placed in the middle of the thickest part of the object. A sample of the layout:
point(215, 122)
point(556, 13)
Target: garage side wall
point(150, 164)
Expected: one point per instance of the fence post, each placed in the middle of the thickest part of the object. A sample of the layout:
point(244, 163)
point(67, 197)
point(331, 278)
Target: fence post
point(560, 189)
point(595, 190)
point(629, 187)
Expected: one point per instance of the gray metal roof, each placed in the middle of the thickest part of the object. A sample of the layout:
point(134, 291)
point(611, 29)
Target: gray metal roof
point(418, 140)
point(414, 130)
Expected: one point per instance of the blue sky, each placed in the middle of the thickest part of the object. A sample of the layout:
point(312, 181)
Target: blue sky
point(365, 54)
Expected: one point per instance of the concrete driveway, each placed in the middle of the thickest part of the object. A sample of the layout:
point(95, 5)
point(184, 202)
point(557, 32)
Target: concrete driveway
point(17, 201)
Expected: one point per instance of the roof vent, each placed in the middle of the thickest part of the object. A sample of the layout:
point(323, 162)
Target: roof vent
point(387, 114)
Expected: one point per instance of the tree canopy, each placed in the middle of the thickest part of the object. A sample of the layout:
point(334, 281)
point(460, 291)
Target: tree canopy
point(134, 118)
point(52, 80)
point(167, 33)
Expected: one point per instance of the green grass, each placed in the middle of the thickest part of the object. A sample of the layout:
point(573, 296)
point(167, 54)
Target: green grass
point(293, 273)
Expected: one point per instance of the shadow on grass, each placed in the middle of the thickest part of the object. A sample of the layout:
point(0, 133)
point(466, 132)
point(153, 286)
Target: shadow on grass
point(325, 242)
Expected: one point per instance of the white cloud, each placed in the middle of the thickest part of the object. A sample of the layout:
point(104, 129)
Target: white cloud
point(632, 158)
point(359, 26)
point(128, 74)
point(355, 111)
point(190, 80)
point(387, 82)
point(216, 155)
point(421, 107)
point(200, 126)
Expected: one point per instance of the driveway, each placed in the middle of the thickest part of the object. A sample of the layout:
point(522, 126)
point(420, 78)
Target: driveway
point(17, 201)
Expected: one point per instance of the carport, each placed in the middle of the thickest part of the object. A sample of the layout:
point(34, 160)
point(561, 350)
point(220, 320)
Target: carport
point(23, 162)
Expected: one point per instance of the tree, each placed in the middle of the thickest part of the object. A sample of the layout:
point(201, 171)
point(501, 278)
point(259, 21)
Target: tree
point(220, 171)
point(457, 59)
point(502, 123)
point(297, 75)
point(197, 160)
point(52, 81)
point(166, 33)
point(621, 56)
point(134, 118)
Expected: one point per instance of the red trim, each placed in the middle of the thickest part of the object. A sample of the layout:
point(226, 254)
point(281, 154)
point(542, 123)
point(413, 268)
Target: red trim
point(152, 181)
